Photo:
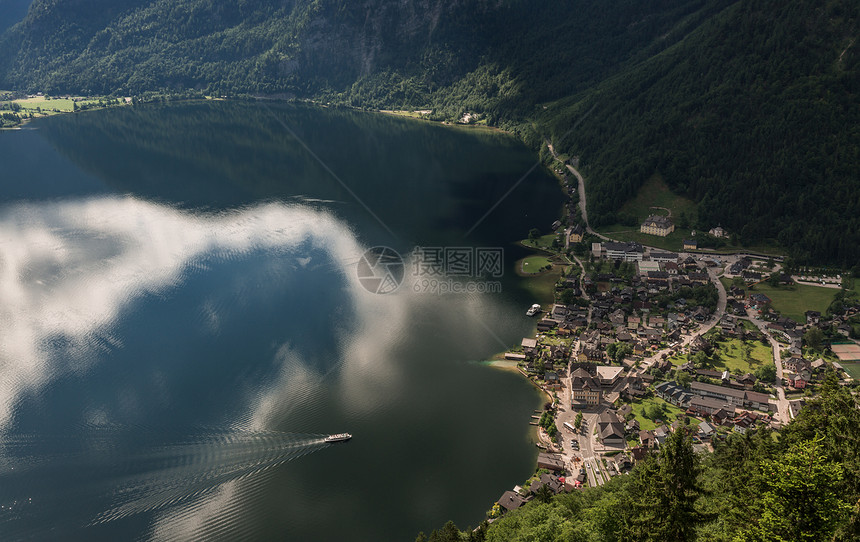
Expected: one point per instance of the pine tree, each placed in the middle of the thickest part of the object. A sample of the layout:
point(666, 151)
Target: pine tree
point(801, 498)
point(664, 494)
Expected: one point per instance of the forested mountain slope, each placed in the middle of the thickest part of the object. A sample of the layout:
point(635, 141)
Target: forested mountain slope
point(306, 46)
point(756, 115)
point(749, 107)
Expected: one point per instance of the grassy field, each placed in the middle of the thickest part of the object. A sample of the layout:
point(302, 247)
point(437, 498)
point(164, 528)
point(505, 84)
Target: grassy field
point(43, 106)
point(731, 355)
point(678, 359)
point(413, 114)
point(533, 264)
point(645, 424)
point(852, 368)
point(747, 325)
point(51, 106)
point(655, 193)
point(544, 241)
point(46, 104)
point(794, 301)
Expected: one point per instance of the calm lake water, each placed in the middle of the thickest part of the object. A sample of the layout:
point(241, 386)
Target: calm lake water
point(182, 322)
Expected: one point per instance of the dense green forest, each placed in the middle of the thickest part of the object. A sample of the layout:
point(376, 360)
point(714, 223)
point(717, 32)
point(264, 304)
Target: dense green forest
point(800, 484)
point(749, 107)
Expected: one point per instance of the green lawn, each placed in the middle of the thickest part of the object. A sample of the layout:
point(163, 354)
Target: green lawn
point(749, 326)
point(852, 368)
point(45, 104)
point(655, 193)
point(533, 264)
point(48, 106)
point(544, 241)
point(403, 113)
point(794, 301)
point(678, 359)
point(645, 424)
point(731, 355)
point(551, 339)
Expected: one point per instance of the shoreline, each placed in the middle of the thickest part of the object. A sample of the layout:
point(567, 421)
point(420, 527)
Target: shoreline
point(496, 361)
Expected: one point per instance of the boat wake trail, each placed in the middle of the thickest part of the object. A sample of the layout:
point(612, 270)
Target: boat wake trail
point(118, 472)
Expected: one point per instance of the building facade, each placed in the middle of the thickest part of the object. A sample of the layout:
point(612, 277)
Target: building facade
point(657, 225)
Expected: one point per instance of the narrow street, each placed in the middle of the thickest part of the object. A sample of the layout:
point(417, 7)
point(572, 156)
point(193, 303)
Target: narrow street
point(707, 326)
point(584, 293)
point(783, 413)
point(582, 202)
point(584, 457)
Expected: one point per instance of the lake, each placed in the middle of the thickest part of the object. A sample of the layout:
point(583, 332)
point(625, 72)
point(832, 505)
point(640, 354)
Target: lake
point(189, 305)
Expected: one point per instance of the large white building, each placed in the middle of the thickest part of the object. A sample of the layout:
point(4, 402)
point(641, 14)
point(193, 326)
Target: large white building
point(657, 225)
point(629, 252)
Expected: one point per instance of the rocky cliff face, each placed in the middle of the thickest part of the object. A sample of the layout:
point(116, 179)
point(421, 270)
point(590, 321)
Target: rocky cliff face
point(357, 40)
point(129, 45)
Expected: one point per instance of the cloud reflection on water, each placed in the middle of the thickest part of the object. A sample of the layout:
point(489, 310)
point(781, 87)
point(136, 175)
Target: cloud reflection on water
point(69, 270)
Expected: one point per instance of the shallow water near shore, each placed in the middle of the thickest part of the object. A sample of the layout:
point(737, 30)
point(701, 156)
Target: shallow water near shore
point(182, 321)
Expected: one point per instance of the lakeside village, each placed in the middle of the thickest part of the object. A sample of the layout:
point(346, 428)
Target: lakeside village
point(642, 342)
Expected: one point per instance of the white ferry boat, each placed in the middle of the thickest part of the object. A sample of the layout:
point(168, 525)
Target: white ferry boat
point(338, 437)
point(534, 309)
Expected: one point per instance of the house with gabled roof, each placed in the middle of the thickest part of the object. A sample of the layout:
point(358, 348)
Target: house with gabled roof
point(549, 480)
point(639, 453)
point(610, 428)
point(706, 431)
point(813, 318)
point(593, 355)
point(550, 462)
point(510, 501)
point(657, 225)
point(705, 406)
point(576, 234)
point(529, 345)
point(585, 390)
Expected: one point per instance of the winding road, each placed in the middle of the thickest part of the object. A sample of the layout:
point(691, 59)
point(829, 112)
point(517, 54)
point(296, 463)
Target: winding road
point(783, 413)
point(582, 203)
point(722, 300)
